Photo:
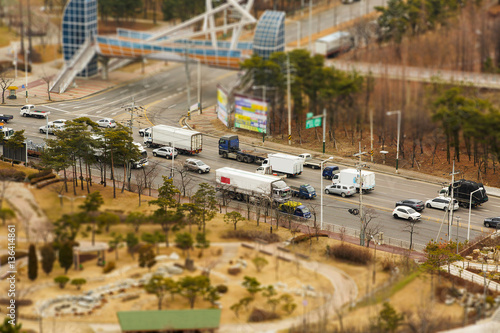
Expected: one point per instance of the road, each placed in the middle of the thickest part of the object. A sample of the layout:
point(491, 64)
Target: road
point(163, 101)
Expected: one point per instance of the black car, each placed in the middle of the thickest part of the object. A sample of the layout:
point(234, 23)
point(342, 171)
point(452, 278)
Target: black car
point(418, 205)
point(492, 222)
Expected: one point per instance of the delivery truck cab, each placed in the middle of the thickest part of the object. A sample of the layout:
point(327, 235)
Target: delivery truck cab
point(295, 208)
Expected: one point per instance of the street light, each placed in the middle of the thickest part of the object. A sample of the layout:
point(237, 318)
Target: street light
point(374, 259)
point(322, 190)
point(389, 113)
point(71, 199)
point(298, 33)
point(470, 206)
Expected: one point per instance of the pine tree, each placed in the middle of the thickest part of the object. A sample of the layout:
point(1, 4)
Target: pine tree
point(66, 256)
point(48, 258)
point(32, 263)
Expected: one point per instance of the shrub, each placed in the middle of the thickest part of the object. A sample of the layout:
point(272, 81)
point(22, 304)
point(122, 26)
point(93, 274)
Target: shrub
point(12, 174)
point(39, 179)
point(41, 173)
point(78, 283)
point(252, 235)
point(388, 264)
point(355, 254)
point(61, 280)
point(109, 267)
point(259, 315)
point(19, 302)
point(306, 237)
point(234, 270)
point(221, 288)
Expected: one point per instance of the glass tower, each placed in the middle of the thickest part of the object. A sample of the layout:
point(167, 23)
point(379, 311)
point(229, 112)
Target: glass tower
point(269, 34)
point(79, 24)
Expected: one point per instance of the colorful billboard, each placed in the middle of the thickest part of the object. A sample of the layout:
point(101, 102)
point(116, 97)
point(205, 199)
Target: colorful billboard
point(222, 106)
point(250, 114)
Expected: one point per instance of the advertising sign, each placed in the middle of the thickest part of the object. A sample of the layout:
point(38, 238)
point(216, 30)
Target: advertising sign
point(222, 106)
point(250, 114)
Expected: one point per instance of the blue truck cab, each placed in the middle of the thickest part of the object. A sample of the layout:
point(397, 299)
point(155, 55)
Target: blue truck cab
point(330, 170)
point(229, 144)
point(295, 208)
point(305, 191)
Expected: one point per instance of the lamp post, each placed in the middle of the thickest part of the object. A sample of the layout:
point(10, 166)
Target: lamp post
point(374, 259)
point(389, 113)
point(470, 206)
point(298, 33)
point(72, 199)
point(322, 190)
point(26, 62)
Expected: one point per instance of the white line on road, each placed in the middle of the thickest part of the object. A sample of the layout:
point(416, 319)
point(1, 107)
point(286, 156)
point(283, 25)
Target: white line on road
point(171, 106)
point(53, 108)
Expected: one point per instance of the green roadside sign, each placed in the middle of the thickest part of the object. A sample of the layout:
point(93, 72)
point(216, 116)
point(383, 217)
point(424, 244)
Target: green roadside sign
point(314, 122)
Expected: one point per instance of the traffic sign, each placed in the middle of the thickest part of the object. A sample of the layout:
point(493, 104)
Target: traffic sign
point(314, 122)
point(289, 138)
point(371, 152)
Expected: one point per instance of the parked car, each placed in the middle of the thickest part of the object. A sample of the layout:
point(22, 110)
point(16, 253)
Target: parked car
point(492, 222)
point(416, 204)
point(58, 122)
point(441, 203)
point(106, 122)
point(192, 164)
point(51, 128)
point(165, 152)
point(143, 130)
point(407, 213)
point(339, 189)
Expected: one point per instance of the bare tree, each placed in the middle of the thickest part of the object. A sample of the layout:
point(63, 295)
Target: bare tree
point(225, 196)
point(185, 179)
point(370, 230)
point(140, 182)
point(47, 79)
point(150, 172)
point(5, 82)
point(410, 227)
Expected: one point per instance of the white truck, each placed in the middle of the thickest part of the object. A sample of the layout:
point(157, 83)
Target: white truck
point(240, 184)
point(351, 177)
point(290, 165)
point(309, 161)
point(184, 140)
point(29, 110)
point(333, 44)
point(7, 132)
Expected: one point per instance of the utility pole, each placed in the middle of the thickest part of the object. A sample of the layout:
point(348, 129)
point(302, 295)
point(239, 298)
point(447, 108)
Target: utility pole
point(451, 204)
point(288, 86)
point(188, 85)
point(359, 167)
point(199, 87)
point(371, 135)
point(310, 26)
point(324, 132)
point(132, 115)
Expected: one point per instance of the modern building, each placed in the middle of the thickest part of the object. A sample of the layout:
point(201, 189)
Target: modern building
point(269, 34)
point(79, 25)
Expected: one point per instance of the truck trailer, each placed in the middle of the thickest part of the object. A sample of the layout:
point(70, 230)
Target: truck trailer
point(283, 163)
point(185, 141)
point(351, 177)
point(462, 190)
point(333, 44)
point(242, 185)
point(229, 147)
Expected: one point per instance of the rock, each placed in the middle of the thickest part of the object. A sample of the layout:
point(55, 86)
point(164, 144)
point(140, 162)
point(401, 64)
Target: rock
point(490, 261)
point(242, 262)
point(468, 258)
point(486, 248)
point(174, 256)
point(161, 257)
point(174, 270)
point(281, 285)
point(234, 269)
point(490, 255)
point(309, 287)
point(311, 293)
point(476, 251)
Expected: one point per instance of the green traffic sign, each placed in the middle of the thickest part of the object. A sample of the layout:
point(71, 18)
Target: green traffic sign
point(309, 115)
point(313, 122)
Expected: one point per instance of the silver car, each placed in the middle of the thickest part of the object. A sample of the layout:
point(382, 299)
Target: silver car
point(441, 203)
point(196, 165)
point(165, 152)
point(106, 122)
point(339, 189)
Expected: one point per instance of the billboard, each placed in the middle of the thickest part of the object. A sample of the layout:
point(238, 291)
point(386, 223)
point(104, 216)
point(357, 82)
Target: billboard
point(221, 108)
point(250, 114)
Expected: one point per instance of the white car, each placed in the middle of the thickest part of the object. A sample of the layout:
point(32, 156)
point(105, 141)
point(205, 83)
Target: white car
point(165, 152)
point(51, 128)
point(441, 203)
point(339, 189)
point(106, 122)
point(407, 213)
point(59, 122)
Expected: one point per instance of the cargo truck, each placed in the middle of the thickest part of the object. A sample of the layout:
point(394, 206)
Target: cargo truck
point(333, 44)
point(295, 208)
point(184, 140)
point(29, 110)
point(309, 161)
point(288, 164)
point(229, 147)
point(4, 118)
point(305, 191)
point(242, 185)
point(462, 190)
point(351, 177)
